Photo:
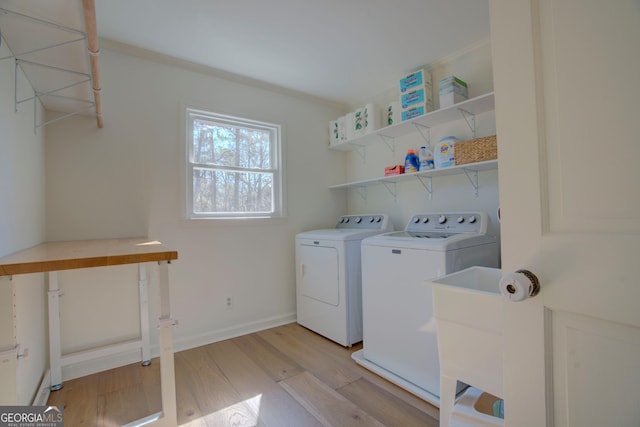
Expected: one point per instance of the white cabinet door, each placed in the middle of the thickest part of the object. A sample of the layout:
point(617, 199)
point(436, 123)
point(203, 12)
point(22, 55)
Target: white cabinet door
point(567, 115)
point(399, 331)
point(318, 273)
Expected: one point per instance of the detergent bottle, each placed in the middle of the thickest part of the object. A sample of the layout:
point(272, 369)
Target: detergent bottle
point(426, 158)
point(444, 155)
point(411, 162)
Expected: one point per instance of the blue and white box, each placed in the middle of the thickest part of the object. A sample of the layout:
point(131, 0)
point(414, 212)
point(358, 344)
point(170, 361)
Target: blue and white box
point(415, 111)
point(417, 97)
point(415, 80)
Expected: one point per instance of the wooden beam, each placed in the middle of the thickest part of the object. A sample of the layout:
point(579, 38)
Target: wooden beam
point(89, 8)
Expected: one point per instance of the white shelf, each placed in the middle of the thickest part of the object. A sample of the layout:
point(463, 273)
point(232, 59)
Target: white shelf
point(471, 107)
point(453, 170)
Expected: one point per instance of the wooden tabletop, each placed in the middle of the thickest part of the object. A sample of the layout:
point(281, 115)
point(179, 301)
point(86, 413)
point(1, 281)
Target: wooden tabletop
point(55, 256)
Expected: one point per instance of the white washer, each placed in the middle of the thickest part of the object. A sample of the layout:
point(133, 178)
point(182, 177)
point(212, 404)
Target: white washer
point(399, 337)
point(328, 281)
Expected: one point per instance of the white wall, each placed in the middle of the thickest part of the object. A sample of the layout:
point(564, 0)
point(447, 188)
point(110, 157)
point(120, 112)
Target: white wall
point(21, 164)
point(473, 65)
point(22, 222)
point(126, 180)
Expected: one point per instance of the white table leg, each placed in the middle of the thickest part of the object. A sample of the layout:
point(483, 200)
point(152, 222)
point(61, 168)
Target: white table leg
point(143, 283)
point(448, 386)
point(55, 352)
point(167, 369)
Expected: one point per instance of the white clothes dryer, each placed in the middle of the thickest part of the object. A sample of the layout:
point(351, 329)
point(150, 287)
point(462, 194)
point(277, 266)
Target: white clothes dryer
point(399, 330)
point(328, 276)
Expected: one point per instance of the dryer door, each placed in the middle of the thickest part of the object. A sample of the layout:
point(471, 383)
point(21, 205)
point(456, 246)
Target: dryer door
point(318, 273)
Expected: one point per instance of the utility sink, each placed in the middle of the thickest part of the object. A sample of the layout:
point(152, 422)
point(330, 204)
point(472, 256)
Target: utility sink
point(469, 318)
point(470, 297)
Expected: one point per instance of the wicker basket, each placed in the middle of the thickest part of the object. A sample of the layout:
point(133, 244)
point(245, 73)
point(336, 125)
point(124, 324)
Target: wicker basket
point(476, 150)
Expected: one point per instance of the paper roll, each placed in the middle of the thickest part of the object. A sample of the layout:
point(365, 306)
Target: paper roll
point(342, 128)
point(371, 118)
point(350, 125)
point(519, 286)
point(334, 132)
point(359, 121)
point(393, 115)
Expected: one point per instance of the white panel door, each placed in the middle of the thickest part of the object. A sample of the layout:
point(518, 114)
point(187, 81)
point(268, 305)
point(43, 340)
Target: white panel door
point(568, 120)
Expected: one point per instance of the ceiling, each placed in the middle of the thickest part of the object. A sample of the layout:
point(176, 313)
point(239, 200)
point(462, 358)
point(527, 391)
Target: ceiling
point(341, 50)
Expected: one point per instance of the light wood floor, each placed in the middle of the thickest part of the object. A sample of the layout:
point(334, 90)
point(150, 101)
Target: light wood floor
point(284, 376)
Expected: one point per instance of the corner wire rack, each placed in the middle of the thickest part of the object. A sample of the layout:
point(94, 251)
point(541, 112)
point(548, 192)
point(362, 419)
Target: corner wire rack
point(17, 57)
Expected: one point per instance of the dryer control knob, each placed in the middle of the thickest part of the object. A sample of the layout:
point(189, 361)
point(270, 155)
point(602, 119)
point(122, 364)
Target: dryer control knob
point(472, 219)
point(372, 219)
point(416, 220)
point(425, 220)
point(460, 219)
point(442, 219)
point(358, 220)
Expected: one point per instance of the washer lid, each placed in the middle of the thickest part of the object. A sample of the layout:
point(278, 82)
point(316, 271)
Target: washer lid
point(431, 241)
point(342, 234)
point(352, 227)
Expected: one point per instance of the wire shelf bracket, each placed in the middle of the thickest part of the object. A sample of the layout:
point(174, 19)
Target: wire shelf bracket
point(78, 36)
point(427, 183)
point(472, 176)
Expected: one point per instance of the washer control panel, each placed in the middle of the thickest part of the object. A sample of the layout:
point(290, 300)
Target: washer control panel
point(449, 222)
point(368, 221)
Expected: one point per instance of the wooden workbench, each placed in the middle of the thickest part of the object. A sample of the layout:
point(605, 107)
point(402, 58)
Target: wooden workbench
point(52, 257)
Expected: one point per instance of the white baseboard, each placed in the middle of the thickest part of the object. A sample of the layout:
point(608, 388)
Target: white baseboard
point(89, 367)
point(232, 332)
point(42, 395)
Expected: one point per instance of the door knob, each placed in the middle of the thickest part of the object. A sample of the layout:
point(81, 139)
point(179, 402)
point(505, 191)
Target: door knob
point(519, 286)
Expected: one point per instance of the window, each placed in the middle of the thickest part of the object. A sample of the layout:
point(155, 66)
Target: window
point(233, 167)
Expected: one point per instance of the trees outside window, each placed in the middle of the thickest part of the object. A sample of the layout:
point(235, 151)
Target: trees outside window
point(234, 167)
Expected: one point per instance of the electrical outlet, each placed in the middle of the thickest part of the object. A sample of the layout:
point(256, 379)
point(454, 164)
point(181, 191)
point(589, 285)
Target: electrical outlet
point(228, 302)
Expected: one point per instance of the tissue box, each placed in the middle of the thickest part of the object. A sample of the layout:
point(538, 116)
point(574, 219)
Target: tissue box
point(415, 80)
point(416, 110)
point(452, 90)
point(448, 99)
point(417, 97)
point(393, 170)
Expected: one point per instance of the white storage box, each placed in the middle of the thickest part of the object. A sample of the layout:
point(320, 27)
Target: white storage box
point(452, 90)
point(448, 99)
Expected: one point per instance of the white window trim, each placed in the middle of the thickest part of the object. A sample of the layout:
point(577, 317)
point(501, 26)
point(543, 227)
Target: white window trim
point(279, 210)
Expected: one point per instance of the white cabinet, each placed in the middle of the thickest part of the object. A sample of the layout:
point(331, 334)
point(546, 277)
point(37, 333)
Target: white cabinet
point(422, 124)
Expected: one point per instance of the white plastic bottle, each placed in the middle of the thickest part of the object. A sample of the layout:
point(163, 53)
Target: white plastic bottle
point(426, 158)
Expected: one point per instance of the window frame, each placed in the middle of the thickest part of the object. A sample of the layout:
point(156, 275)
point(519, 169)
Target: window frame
point(276, 159)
